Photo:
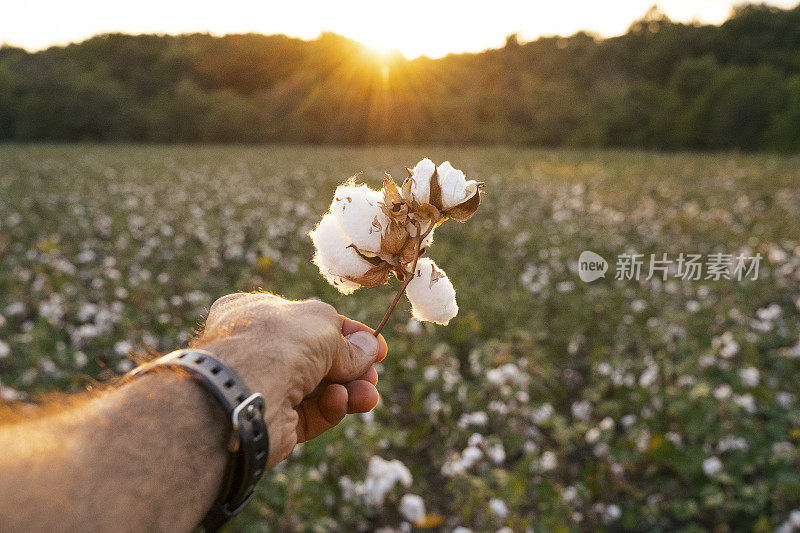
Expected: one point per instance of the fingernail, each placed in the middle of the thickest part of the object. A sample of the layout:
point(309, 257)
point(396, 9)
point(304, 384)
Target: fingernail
point(365, 341)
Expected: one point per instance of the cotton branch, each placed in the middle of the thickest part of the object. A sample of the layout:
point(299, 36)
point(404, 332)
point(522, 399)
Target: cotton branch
point(409, 277)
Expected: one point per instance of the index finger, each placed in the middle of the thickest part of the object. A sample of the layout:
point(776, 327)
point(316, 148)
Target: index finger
point(351, 326)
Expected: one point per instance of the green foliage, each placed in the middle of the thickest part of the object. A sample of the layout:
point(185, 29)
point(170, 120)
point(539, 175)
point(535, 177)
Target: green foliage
point(662, 84)
point(738, 107)
point(784, 132)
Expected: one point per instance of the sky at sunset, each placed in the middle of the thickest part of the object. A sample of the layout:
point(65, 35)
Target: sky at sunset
point(432, 28)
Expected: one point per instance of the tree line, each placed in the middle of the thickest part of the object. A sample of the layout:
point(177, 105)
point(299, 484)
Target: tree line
point(661, 85)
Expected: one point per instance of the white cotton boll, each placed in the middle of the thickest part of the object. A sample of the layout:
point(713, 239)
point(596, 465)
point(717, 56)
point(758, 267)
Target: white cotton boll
point(431, 293)
point(470, 456)
point(454, 185)
point(343, 285)
point(498, 507)
point(334, 253)
point(421, 181)
point(357, 210)
point(548, 461)
point(612, 513)
point(712, 466)
point(334, 256)
point(443, 169)
point(750, 376)
point(412, 507)
point(382, 476)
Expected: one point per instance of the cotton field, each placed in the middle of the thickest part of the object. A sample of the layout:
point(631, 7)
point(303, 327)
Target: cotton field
point(548, 403)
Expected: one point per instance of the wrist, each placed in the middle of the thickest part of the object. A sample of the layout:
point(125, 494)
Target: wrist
point(249, 443)
point(262, 373)
point(256, 370)
point(190, 442)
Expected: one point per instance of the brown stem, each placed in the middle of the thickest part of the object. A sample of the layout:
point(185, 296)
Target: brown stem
point(407, 280)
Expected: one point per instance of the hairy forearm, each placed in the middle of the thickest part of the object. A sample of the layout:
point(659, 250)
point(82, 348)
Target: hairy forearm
point(148, 455)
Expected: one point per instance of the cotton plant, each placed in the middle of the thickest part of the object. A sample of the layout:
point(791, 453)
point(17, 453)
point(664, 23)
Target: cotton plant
point(368, 236)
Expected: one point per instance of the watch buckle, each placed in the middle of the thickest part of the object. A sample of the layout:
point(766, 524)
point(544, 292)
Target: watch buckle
point(250, 408)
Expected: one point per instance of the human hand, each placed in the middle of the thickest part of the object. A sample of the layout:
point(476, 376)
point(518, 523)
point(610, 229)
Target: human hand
point(312, 365)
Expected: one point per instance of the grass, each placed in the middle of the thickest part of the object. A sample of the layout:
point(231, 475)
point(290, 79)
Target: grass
point(604, 403)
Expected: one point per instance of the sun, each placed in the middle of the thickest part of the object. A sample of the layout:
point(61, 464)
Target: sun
point(382, 59)
point(383, 55)
point(382, 49)
point(387, 42)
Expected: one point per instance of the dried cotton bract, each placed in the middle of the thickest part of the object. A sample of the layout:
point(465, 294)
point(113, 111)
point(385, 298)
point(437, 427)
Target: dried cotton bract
point(369, 235)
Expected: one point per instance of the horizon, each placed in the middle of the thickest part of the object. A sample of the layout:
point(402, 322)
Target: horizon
point(25, 27)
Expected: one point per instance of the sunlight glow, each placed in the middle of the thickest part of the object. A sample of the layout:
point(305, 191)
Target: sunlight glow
point(398, 36)
point(382, 43)
point(414, 27)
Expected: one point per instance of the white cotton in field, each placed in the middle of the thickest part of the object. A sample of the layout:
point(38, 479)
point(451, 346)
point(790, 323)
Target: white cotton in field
point(421, 181)
point(382, 476)
point(334, 256)
point(431, 294)
point(360, 217)
point(412, 507)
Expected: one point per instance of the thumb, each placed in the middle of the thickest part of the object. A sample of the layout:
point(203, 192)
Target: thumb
point(355, 355)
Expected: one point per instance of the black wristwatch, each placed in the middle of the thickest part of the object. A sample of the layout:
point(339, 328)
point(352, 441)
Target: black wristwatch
point(249, 452)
